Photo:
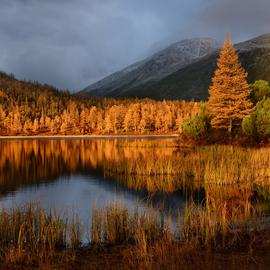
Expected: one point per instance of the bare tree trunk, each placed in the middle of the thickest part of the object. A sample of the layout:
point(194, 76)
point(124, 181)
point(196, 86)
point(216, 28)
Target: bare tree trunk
point(230, 130)
point(230, 127)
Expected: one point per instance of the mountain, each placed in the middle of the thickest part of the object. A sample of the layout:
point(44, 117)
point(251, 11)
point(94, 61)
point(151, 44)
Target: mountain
point(154, 68)
point(192, 79)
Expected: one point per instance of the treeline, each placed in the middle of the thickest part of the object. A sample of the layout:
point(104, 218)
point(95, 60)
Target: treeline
point(28, 108)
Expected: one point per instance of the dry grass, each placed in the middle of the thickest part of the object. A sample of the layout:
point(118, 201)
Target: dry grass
point(32, 236)
point(222, 165)
point(227, 219)
point(117, 225)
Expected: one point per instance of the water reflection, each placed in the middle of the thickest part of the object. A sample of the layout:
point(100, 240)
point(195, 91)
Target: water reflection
point(69, 176)
point(79, 174)
point(33, 161)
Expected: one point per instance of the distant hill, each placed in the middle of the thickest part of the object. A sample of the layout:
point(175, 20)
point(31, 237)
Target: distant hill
point(10, 85)
point(192, 79)
point(154, 68)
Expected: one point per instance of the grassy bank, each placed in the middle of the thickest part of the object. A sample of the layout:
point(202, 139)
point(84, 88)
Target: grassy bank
point(30, 237)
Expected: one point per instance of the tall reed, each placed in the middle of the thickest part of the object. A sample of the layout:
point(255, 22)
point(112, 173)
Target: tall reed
point(116, 224)
point(222, 165)
point(30, 233)
point(32, 230)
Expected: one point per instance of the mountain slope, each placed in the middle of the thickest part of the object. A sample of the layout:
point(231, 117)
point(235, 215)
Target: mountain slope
point(192, 81)
point(156, 67)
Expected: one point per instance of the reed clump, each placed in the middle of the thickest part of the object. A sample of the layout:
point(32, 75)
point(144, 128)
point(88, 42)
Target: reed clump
point(115, 224)
point(220, 226)
point(31, 233)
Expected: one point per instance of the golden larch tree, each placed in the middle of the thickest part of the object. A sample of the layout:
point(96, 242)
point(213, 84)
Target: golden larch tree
point(229, 94)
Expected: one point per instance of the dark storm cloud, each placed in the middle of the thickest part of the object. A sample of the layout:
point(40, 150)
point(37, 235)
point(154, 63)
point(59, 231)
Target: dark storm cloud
point(71, 43)
point(242, 18)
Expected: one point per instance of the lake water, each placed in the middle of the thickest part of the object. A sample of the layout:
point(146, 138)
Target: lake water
point(68, 176)
point(72, 176)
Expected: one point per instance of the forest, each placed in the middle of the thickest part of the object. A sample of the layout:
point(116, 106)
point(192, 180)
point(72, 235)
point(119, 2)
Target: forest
point(28, 108)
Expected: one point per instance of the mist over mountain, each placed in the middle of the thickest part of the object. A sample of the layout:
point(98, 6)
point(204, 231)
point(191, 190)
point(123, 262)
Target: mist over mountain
point(155, 67)
point(182, 71)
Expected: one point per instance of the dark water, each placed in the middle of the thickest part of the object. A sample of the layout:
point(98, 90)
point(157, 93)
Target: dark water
point(70, 176)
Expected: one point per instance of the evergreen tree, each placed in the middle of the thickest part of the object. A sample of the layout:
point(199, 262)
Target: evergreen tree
point(229, 94)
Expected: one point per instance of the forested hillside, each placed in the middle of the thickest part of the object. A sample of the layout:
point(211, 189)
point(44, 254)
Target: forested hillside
point(28, 108)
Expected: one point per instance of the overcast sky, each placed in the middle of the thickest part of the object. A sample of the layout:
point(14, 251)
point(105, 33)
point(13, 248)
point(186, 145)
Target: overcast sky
point(72, 43)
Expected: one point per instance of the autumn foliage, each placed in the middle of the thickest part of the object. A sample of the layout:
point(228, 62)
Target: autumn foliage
point(33, 109)
point(229, 94)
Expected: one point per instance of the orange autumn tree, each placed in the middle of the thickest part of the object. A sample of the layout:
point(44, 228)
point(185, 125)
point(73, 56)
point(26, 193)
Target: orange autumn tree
point(229, 94)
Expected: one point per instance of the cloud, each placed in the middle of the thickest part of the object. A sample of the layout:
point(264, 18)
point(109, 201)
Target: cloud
point(242, 18)
point(71, 43)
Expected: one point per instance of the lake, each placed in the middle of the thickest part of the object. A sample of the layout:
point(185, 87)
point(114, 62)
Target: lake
point(75, 176)
point(68, 176)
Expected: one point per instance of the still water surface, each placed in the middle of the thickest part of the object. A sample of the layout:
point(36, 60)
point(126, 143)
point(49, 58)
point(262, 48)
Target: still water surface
point(78, 175)
point(68, 176)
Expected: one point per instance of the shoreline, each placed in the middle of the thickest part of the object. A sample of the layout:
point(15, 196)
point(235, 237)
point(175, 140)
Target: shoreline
point(86, 137)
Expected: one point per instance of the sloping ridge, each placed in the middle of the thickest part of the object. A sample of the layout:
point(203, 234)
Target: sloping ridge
point(193, 80)
point(154, 68)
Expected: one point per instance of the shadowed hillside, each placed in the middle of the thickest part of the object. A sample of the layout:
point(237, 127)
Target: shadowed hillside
point(193, 80)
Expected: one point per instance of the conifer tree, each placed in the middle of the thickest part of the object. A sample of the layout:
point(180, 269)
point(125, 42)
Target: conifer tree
point(229, 94)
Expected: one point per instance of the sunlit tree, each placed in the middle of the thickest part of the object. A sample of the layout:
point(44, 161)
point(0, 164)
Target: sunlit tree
point(229, 94)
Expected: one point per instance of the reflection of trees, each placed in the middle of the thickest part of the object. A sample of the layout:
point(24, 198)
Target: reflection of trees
point(31, 161)
point(142, 164)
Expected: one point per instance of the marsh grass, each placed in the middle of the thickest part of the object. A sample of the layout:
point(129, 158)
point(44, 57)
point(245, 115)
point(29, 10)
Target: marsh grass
point(214, 228)
point(31, 234)
point(159, 164)
point(222, 165)
point(227, 218)
point(115, 224)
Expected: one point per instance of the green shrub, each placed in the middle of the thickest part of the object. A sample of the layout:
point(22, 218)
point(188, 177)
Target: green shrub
point(257, 125)
point(263, 118)
point(249, 126)
point(259, 90)
point(196, 127)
